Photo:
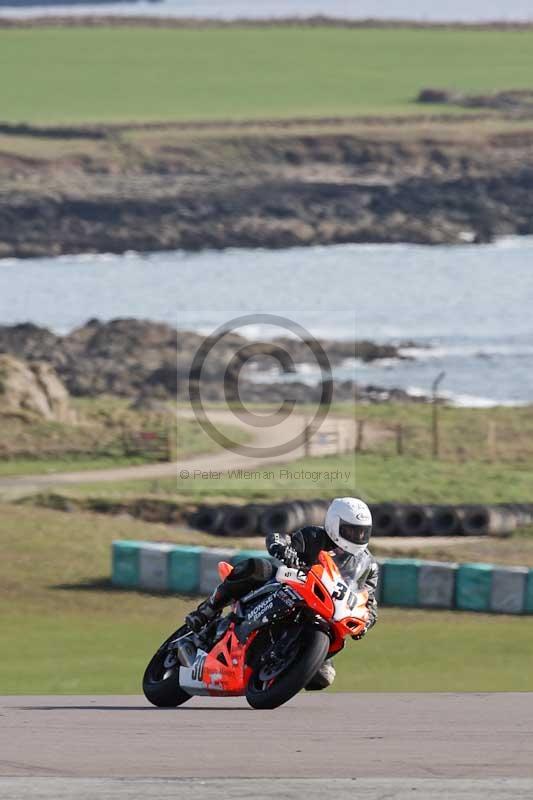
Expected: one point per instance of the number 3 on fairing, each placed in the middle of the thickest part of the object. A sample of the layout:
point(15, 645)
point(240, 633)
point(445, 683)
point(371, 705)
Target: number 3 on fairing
point(340, 591)
point(340, 594)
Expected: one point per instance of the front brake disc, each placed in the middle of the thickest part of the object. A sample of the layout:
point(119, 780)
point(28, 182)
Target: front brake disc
point(276, 666)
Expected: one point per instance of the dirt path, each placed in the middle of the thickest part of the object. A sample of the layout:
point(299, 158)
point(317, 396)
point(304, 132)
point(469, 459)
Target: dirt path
point(220, 462)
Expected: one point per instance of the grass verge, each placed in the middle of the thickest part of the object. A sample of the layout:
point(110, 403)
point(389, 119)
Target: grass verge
point(126, 74)
point(65, 630)
point(408, 651)
point(376, 478)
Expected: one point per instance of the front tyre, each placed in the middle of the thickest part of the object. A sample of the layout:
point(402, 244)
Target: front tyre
point(161, 684)
point(266, 694)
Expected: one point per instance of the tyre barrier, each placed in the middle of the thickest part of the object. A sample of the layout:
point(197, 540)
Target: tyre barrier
point(414, 520)
point(394, 519)
point(445, 521)
point(257, 520)
point(241, 521)
point(285, 518)
point(407, 582)
point(483, 520)
point(384, 519)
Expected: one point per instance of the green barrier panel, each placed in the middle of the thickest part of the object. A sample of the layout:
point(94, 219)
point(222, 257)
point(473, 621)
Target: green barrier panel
point(473, 587)
point(125, 569)
point(241, 555)
point(400, 582)
point(184, 569)
point(381, 566)
point(528, 599)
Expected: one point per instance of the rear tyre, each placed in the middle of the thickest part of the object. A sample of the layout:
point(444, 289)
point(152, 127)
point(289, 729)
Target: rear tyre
point(314, 647)
point(161, 685)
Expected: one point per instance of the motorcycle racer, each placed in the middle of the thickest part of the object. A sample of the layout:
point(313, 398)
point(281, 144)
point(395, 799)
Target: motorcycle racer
point(347, 531)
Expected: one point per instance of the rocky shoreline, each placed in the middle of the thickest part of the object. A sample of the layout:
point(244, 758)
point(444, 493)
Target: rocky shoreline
point(151, 362)
point(272, 185)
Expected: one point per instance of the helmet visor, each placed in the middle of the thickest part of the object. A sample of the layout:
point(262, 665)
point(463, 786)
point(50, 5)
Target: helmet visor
point(355, 534)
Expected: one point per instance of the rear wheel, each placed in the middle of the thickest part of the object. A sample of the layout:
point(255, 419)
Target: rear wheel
point(161, 679)
point(274, 682)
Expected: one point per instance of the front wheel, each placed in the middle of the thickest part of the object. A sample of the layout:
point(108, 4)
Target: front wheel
point(161, 683)
point(269, 690)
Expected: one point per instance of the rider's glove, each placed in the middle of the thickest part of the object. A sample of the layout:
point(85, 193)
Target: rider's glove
point(284, 553)
point(290, 557)
point(277, 550)
point(279, 546)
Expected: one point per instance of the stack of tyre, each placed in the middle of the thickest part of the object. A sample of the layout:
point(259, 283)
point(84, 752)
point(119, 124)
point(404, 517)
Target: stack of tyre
point(390, 519)
point(394, 519)
point(258, 520)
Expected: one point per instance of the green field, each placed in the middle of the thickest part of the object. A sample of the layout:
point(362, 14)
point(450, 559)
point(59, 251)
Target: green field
point(377, 478)
point(65, 630)
point(128, 74)
point(409, 651)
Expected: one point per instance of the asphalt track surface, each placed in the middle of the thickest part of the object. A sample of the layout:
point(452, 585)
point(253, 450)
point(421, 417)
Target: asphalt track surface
point(368, 745)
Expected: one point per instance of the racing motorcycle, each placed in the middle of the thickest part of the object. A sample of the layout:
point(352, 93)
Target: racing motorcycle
point(271, 643)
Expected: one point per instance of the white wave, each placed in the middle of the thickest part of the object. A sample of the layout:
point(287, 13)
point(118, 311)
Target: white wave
point(513, 242)
point(470, 401)
point(462, 400)
point(466, 351)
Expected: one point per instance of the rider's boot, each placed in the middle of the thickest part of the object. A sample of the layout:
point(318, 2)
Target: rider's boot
point(245, 576)
point(209, 609)
point(323, 678)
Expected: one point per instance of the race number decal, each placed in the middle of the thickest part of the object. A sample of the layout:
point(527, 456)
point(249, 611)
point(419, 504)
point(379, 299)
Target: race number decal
point(340, 591)
point(198, 667)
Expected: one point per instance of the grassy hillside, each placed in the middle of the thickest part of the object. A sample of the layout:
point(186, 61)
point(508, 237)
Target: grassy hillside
point(65, 75)
point(64, 630)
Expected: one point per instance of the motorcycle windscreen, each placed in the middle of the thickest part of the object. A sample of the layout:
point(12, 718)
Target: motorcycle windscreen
point(353, 569)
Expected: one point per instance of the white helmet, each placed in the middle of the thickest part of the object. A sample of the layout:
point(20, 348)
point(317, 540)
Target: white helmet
point(349, 524)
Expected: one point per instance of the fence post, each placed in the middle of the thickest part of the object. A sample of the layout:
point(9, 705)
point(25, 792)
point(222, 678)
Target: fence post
point(491, 440)
point(399, 439)
point(359, 441)
point(307, 439)
point(435, 415)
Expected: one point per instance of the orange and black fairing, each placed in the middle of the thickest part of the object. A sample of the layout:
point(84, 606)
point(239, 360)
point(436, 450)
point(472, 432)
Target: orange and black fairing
point(227, 668)
point(317, 594)
point(225, 671)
